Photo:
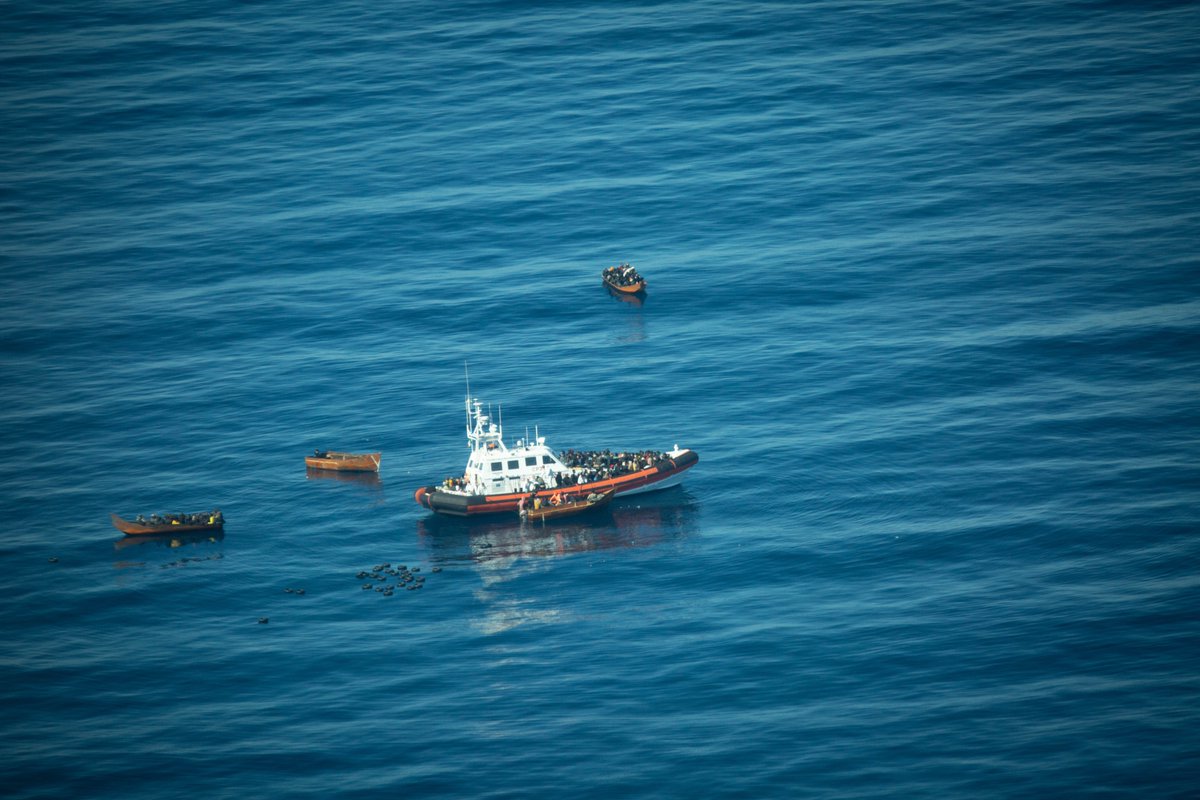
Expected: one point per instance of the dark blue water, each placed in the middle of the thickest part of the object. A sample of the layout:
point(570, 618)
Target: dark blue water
point(922, 295)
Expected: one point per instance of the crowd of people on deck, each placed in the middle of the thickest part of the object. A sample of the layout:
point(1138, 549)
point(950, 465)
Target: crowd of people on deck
point(205, 518)
point(622, 275)
point(586, 466)
point(599, 465)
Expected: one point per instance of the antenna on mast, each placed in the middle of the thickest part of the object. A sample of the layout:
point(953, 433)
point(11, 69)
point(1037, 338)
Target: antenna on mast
point(467, 404)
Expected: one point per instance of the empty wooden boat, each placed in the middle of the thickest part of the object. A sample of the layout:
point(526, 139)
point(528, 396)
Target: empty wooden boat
point(345, 462)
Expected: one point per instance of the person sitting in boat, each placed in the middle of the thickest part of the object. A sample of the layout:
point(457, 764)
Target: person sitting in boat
point(320, 453)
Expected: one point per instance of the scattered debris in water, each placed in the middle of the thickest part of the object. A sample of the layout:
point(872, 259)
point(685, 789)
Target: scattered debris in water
point(191, 559)
point(380, 575)
point(263, 620)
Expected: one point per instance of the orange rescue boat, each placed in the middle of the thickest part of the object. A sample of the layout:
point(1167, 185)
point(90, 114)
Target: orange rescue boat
point(498, 477)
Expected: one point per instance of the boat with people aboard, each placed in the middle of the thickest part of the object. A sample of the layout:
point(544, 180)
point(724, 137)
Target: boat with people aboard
point(623, 278)
point(345, 462)
point(561, 503)
point(170, 523)
point(498, 477)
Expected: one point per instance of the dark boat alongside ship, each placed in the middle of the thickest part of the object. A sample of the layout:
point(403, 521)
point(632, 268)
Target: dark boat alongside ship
point(569, 504)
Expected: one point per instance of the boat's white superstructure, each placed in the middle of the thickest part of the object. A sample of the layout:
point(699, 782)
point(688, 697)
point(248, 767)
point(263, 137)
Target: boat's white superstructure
point(494, 468)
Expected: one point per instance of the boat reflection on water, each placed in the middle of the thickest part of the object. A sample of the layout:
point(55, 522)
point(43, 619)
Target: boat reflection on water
point(637, 323)
point(140, 552)
point(502, 550)
point(369, 479)
point(369, 482)
point(628, 522)
point(171, 540)
point(635, 300)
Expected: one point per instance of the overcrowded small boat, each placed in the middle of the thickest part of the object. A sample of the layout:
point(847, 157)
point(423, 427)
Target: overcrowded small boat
point(623, 278)
point(498, 477)
point(170, 523)
point(562, 504)
point(345, 462)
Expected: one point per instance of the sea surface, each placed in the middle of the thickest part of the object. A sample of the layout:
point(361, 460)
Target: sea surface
point(922, 293)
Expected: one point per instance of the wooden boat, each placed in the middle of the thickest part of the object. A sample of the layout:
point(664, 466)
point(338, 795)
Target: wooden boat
point(609, 276)
point(497, 476)
point(371, 479)
point(577, 505)
point(212, 521)
point(633, 288)
point(346, 462)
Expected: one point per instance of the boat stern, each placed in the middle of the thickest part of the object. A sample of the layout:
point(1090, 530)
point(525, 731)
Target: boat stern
point(422, 496)
point(452, 503)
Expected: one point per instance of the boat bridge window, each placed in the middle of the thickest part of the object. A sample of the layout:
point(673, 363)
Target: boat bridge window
point(514, 464)
point(497, 466)
point(530, 461)
point(547, 460)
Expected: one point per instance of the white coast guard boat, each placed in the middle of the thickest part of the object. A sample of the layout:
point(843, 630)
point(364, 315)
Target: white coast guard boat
point(498, 477)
